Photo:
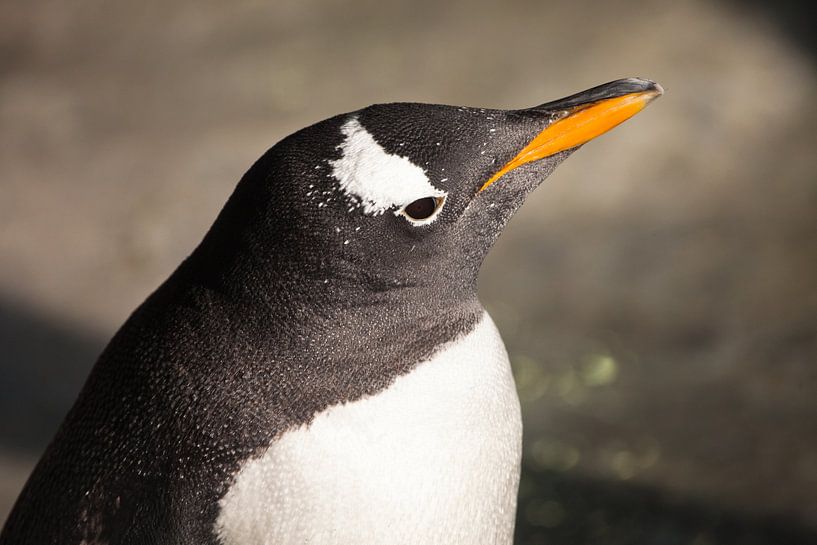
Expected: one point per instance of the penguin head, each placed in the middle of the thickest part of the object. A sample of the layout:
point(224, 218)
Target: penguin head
point(406, 195)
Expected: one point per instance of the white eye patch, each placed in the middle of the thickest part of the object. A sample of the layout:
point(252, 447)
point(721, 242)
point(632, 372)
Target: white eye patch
point(376, 179)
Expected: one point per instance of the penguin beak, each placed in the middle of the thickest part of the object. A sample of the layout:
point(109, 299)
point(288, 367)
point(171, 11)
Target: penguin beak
point(582, 117)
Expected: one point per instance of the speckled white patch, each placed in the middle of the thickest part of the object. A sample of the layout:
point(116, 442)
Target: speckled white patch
point(374, 178)
point(433, 459)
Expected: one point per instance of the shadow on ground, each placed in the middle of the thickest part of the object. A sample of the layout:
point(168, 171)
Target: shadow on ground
point(43, 367)
point(567, 509)
point(794, 17)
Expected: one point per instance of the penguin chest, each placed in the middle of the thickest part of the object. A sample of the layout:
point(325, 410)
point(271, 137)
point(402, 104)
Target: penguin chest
point(434, 458)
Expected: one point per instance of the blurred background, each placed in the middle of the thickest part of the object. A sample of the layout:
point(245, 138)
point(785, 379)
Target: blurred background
point(658, 295)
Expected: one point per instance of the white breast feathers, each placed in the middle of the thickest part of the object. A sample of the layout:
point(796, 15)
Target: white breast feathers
point(433, 459)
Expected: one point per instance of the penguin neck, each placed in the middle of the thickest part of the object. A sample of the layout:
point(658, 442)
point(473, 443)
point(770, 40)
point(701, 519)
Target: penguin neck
point(344, 329)
point(278, 289)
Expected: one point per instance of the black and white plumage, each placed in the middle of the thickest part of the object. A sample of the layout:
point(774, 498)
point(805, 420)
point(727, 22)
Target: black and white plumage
point(320, 369)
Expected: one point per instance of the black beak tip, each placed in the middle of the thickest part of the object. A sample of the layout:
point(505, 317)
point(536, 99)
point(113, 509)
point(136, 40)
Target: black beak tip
point(613, 89)
point(629, 86)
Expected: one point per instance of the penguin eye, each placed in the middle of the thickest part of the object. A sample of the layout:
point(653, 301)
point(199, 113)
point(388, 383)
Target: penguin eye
point(423, 209)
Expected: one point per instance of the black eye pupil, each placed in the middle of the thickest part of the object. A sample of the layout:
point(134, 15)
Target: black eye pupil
point(421, 208)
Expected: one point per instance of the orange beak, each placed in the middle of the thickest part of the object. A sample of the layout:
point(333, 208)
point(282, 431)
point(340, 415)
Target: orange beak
point(582, 122)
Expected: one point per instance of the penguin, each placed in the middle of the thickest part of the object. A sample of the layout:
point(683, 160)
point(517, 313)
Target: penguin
point(320, 369)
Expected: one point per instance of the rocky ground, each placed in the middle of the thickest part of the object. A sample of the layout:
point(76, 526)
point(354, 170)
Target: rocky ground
point(657, 294)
